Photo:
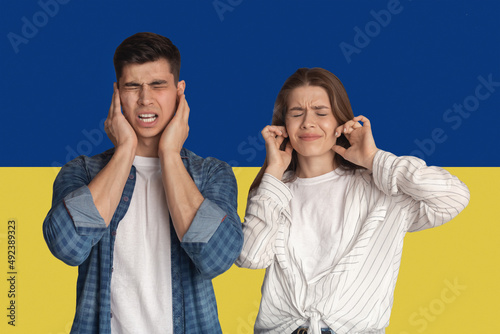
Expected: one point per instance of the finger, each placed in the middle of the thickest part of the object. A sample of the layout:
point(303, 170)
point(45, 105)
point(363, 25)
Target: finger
point(111, 107)
point(343, 128)
point(272, 130)
point(349, 126)
point(116, 100)
point(363, 119)
point(183, 108)
point(339, 149)
point(282, 129)
point(267, 134)
point(279, 140)
point(339, 130)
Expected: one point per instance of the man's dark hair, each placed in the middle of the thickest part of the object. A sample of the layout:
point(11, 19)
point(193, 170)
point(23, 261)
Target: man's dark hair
point(145, 47)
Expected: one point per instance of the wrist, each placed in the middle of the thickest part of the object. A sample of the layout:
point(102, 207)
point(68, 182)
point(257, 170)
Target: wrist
point(169, 154)
point(275, 171)
point(129, 144)
point(167, 149)
point(125, 153)
point(369, 162)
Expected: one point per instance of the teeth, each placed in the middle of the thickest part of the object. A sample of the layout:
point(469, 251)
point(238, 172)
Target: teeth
point(148, 118)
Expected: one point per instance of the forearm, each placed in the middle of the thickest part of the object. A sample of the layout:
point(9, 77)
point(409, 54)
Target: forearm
point(183, 197)
point(107, 186)
point(214, 239)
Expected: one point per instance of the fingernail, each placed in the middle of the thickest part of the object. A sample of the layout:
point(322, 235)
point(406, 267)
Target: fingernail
point(336, 134)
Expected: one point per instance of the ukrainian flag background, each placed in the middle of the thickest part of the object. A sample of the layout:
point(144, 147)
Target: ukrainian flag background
point(426, 73)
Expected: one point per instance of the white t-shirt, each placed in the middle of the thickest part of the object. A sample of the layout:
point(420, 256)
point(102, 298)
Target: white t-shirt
point(317, 209)
point(141, 287)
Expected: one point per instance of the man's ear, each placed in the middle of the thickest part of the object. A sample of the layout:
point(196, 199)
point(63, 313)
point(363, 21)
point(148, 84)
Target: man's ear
point(181, 86)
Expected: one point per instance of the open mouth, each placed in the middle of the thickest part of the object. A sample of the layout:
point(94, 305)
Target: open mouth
point(148, 118)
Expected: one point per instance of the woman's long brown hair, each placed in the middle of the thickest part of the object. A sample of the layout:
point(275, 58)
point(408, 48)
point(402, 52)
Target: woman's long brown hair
point(341, 108)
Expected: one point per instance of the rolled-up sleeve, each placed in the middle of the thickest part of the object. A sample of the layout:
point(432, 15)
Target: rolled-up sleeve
point(214, 239)
point(73, 225)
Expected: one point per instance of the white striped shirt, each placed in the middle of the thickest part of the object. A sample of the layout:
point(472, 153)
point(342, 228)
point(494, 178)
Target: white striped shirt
point(401, 195)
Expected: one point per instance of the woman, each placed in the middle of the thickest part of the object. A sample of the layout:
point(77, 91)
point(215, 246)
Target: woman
point(328, 211)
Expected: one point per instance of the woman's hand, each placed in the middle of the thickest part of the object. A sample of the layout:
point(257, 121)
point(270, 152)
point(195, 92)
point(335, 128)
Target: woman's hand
point(277, 160)
point(363, 149)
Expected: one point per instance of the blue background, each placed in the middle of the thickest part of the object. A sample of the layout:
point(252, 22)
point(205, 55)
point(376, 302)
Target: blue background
point(56, 89)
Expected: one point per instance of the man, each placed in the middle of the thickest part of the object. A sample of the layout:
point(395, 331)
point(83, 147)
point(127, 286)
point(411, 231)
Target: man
point(148, 222)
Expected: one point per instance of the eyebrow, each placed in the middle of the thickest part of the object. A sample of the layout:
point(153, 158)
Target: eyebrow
point(313, 107)
point(154, 82)
point(158, 82)
point(296, 108)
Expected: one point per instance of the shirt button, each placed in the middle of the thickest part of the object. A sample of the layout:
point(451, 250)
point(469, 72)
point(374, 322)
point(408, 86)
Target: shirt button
point(125, 198)
point(112, 269)
point(113, 233)
point(131, 176)
point(111, 315)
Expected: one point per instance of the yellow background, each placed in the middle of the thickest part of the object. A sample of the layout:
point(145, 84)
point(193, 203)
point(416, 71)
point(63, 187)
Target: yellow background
point(463, 253)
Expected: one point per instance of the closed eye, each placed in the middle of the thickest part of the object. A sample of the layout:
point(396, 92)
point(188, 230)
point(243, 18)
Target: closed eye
point(296, 111)
point(158, 84)
point(131, 86)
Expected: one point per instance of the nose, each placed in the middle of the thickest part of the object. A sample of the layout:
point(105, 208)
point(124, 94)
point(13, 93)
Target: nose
point(145, 95)
point(308, 119)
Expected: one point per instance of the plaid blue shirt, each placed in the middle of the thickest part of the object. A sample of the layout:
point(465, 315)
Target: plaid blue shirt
point(76, 234)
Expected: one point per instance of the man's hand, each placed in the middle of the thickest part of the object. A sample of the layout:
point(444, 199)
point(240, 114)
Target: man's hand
point(363, 149)
point(118, 129)
point(177, 131)
point(183, 197)
point(277, 160)
point(107, 186)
